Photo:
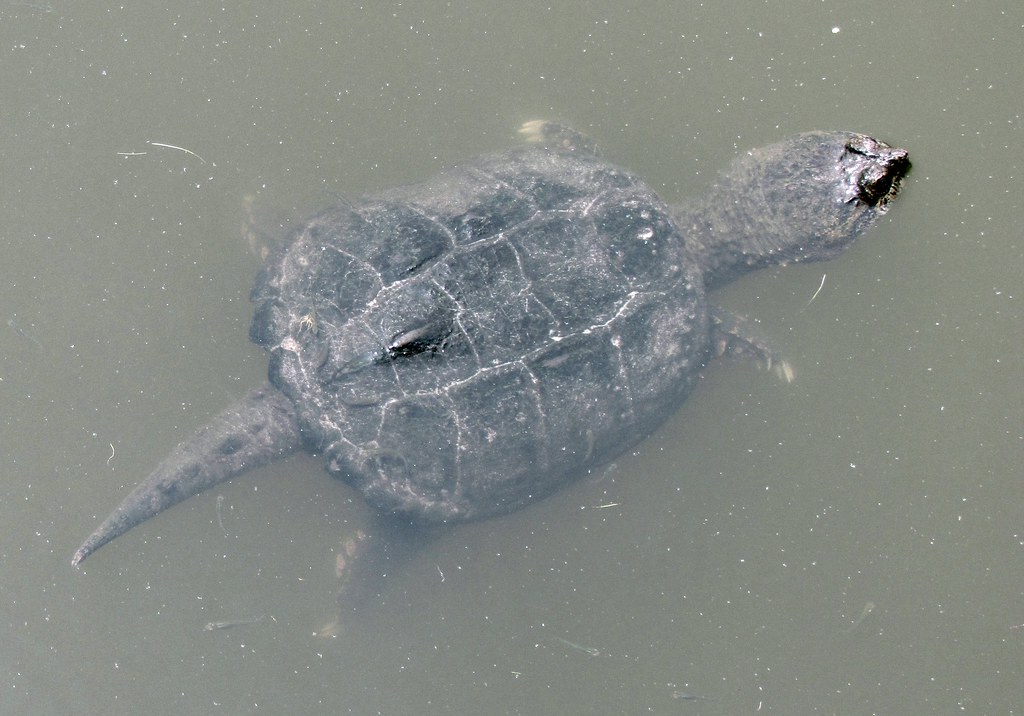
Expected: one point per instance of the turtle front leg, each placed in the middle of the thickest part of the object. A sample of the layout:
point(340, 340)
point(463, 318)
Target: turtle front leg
point(734, 336)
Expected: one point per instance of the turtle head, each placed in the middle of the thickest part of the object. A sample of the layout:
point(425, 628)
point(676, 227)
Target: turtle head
point(864, 176)
point(873, 172)
point(803, 199)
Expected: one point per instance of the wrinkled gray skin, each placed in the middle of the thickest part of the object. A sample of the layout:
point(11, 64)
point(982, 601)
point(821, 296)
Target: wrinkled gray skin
point(459, 348)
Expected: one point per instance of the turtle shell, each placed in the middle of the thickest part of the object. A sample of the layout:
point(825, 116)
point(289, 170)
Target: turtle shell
point(458, 348)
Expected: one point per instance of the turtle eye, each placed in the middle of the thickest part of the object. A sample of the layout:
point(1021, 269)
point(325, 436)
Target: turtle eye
point(875, 184)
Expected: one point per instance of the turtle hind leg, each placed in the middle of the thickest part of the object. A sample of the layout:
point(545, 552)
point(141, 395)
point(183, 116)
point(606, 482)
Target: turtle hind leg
point(365, 560)
point(558, 136)
point(734, 336)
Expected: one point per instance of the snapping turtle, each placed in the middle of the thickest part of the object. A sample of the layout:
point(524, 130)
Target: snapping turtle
point(461, 347)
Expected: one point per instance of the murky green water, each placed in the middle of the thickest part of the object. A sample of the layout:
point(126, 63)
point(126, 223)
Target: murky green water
point(730, 559)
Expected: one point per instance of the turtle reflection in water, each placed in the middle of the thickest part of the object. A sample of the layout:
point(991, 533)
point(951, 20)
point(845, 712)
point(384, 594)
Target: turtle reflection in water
point(460, 348)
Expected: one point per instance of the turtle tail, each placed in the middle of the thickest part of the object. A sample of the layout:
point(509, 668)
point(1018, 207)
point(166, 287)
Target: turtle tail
point(258, 429)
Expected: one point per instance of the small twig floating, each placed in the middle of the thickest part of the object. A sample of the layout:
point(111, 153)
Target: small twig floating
point(165, 146)
point(180, 149)
point(820, 286)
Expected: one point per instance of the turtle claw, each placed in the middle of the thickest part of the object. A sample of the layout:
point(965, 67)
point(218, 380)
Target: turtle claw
point(784, 371)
